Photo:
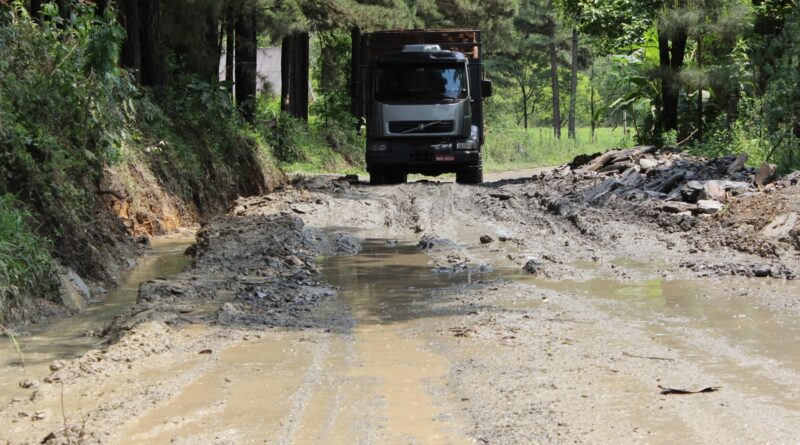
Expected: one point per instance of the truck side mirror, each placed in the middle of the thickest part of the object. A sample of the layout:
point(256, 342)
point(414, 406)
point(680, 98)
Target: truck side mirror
point(486, 88)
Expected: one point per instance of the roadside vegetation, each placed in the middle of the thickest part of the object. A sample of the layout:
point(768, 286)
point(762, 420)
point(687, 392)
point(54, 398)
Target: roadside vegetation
point(70, 117)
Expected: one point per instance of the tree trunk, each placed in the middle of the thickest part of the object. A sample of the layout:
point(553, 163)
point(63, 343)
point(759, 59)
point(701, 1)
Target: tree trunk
point(591, 105)
point(733, 106)
point(230, 49)
point(671, 63)
point(573, 94)
point(294, 75)
point(666, 79)
point(63, 9)
point(699, 92)
point(35, 9)
point(301, 81)
point(246, 57)
point(101, 6)
point(525, 107)
point(213, 52)
point(153, 56)
point(356, 104)
point(286, 73)
point(551, 34)
point(625, 122)
point(131, 56)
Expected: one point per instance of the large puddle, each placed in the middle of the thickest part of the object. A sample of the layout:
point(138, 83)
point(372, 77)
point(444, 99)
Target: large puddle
point(385, 287)
point(70, 337)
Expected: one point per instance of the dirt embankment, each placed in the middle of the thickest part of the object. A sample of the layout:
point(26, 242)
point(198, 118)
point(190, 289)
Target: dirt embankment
point(563, 367)
point(136, 199)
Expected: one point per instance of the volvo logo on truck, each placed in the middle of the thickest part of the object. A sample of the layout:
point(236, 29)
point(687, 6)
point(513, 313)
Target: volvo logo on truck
point(421, 93)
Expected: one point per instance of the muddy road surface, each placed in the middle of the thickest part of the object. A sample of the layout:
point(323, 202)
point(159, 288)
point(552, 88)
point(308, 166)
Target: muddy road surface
point(515, 312)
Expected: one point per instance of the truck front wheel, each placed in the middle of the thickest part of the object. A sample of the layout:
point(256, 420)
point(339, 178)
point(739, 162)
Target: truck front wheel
point(377, 176)
point(470, 175)
point(396, 177)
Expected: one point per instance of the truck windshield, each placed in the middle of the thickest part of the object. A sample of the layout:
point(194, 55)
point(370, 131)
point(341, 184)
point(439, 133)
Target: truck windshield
point(415, 83)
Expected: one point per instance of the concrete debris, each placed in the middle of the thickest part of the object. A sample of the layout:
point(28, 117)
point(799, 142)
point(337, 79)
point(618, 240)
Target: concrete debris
point(781, 226)
point(683, 182)
point(736, 164)
point(766, 174)
point(534, 266)
point(709, 206)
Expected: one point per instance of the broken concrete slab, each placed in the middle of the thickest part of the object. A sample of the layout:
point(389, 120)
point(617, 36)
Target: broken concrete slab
point(737, 164)
point(677, 207)
point(602, 189)
point(781, 226)
point(766, 174)
point(648, 164)
point(709, 206)
point(713, 190)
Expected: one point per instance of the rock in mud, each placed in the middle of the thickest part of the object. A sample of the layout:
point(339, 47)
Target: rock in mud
point(766, 174)
point(29, 384)
point(347, 244)
point(292, 260)
point(781, 226)
point(430, 242)
point(534, 266)
point(57, 365)
point(677, 207)
point(709, 206)
point(648, 164)
point(486, 239)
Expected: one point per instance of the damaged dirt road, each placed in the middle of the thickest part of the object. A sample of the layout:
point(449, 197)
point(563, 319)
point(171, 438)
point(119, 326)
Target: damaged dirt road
point(561, 308)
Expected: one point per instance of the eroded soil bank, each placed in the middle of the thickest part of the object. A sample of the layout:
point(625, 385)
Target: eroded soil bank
point(334, 312)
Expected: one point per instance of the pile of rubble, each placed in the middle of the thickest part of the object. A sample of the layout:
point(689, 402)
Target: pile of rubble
point(684, 183)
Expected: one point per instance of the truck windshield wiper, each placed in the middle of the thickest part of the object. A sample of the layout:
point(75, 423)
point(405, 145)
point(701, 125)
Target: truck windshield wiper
point(421, 127)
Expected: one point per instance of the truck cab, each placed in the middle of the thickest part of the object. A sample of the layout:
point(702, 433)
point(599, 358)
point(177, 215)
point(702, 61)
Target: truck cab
point(424, 111)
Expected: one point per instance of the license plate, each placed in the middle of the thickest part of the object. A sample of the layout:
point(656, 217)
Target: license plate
point(445, 157)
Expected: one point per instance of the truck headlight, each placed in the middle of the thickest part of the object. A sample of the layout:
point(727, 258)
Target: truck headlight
point(471, 143)
point(468, 145)
point(378, 146)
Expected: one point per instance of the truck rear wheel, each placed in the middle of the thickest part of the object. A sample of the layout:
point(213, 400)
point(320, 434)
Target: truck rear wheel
point(470, 175)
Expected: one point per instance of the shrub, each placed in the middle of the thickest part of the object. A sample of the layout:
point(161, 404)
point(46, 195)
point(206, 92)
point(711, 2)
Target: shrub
point(25, 265)
point(63, 105)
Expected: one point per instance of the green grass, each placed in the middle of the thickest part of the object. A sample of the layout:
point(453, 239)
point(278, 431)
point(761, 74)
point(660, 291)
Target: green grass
point(25, 264)
point(505, 149)
point(513, 149)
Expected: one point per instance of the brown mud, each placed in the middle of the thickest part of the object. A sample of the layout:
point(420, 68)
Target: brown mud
point(514, 312)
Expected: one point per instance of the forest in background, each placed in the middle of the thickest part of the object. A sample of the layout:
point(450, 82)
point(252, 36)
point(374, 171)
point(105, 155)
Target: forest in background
point(87, 87)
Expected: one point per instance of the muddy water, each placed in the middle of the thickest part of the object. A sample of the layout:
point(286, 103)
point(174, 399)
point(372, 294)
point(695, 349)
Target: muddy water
point(727, 328)
point(70, 337)
point(385, 287)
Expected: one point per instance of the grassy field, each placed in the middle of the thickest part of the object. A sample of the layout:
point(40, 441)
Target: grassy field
point(505, 149)
point(512, 149)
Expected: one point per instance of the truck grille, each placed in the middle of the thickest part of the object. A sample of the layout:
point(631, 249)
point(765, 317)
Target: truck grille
point(411, 127)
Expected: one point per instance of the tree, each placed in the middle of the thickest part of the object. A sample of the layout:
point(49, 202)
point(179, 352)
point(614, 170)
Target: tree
point(522, 62)
point(573, 91)
point(294, 75)
point(672, 37)
point(246, 48)
point(551, 48)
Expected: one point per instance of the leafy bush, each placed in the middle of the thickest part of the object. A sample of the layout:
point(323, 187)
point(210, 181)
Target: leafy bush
point(63, 105)
point(25, 265)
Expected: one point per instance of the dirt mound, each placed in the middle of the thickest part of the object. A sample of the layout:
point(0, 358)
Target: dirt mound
point(249, 270)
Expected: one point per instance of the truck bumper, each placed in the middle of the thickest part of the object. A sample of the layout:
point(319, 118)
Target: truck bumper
point(422, 157)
